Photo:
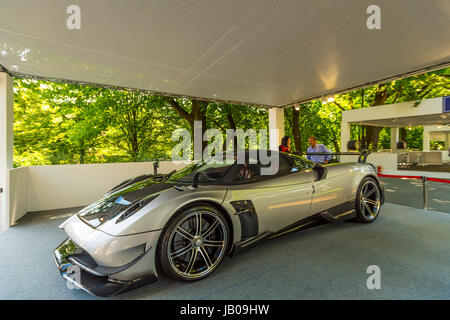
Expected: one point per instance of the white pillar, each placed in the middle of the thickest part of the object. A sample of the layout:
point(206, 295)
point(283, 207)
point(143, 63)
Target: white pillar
point(394, 138)
point(276, 127)
point(6, 144)
point(426, 139)
point(345, 135)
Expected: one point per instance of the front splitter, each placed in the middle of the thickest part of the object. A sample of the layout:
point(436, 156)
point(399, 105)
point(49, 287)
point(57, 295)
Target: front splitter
point(95, 284)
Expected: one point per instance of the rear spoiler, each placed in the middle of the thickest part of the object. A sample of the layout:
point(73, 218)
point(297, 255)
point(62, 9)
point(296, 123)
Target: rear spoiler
point(362, 155)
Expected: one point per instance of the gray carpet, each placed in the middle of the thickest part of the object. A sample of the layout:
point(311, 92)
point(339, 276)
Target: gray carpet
point(411, 246)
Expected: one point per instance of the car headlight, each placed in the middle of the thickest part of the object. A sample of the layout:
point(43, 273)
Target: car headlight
point(135, 208)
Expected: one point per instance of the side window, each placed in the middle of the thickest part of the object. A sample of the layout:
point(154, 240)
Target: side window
point(212, 172)
point(250, 172)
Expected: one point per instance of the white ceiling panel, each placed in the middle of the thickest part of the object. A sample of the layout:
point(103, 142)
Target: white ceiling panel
point(266, 52)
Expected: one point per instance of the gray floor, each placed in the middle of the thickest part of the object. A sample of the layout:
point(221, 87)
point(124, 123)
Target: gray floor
point(411, 247)
point(408, 192)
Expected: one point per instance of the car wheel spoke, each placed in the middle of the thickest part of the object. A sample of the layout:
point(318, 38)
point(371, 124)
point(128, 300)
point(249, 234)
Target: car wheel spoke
point(369, 201)
point(367, 207)
point(198, 224)
point(211, 229)
point(363, 208)
point(365, 189)
point(184, 233)
point(368, 194)
point(212, 243)
point(181, 251)
point(192, 260)
point(205, 256)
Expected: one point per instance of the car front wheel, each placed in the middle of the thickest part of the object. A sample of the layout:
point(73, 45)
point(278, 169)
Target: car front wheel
point(194, 243)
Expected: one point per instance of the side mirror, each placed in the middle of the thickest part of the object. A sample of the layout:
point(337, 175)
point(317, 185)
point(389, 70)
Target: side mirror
point(195, 180)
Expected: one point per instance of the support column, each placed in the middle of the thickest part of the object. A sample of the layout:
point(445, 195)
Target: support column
point(394, 138)
point(426, 139)
point(345, 135)
point(446, 154)
point(6, 145)
point(276, 127)
point(447, 141)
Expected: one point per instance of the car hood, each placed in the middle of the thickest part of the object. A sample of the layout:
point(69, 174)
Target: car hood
point(114, 203)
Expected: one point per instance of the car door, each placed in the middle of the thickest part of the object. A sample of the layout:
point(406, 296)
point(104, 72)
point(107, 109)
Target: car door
point(278, 200)
point(333, 189)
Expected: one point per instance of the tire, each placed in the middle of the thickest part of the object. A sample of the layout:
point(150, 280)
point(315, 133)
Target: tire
point(187, 252)
point(368, 201)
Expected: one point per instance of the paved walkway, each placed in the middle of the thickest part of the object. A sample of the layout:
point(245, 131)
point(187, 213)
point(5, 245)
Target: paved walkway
point(411, 247)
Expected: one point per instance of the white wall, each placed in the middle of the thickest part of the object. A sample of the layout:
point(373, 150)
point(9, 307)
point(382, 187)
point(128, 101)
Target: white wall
point(39, 188)
point(18, 184)
point(388, 161)
point(438, 133)
point(393, 111)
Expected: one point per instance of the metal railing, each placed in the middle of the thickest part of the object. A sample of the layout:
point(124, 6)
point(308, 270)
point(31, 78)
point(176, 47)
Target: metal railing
point(424, 184)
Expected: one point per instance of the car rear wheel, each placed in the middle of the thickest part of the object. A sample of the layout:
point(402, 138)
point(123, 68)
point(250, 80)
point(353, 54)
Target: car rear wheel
point(194, 243)
point(368, 201)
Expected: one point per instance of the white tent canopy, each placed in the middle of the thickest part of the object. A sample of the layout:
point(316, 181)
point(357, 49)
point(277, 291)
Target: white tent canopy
point(263, 52)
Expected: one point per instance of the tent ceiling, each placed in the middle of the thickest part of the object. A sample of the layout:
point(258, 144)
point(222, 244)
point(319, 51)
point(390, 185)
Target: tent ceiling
point(267, 52)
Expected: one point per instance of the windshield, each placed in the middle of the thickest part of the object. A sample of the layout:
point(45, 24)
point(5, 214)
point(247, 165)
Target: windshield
point(210, 171)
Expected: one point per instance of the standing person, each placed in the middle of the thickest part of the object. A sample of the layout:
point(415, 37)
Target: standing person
point(285, 144)
point(315, 147)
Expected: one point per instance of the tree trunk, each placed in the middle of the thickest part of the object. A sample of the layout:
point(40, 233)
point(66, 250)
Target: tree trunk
point(372, 135)
point(296, 130)
point(198, 113)
point(402, 134)
point(373, 132)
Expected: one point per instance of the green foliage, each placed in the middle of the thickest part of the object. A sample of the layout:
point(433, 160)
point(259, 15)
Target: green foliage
point(58, 123)
point(64, 124)
point(225, 116)
point(385, 138)
point(323, 120)
point(414, 138)
point(437, 145)
point(320, 121)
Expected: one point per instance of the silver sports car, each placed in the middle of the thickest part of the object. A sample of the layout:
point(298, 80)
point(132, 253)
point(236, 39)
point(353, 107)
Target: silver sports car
point(184, 224)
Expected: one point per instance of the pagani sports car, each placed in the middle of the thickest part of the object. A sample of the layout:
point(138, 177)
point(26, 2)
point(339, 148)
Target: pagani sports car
point(184, 224)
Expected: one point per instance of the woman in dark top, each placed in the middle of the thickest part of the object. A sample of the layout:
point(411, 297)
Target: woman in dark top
point(285, 144)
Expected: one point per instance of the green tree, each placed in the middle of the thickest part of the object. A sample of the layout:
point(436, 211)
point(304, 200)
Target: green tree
point(323, 120)
point(139, 123)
